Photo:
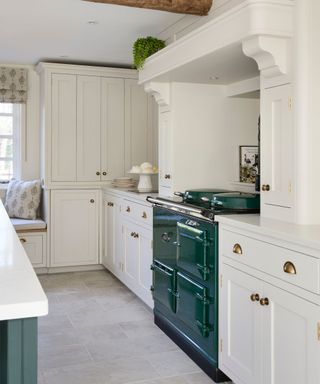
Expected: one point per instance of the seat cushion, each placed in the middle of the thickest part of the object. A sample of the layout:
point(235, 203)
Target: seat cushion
point(23, 199)
point(24, 225)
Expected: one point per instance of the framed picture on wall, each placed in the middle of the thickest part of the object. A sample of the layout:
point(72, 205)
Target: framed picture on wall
point(249, 162)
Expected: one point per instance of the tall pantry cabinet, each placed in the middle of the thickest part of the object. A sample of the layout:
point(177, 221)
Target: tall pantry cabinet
point(96, 123)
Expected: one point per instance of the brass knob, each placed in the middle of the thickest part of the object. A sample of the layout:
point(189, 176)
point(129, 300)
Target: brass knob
point(237, 249)
point(264, 301)
point(104, 173)
point(128, 209)
point(265, 187)
point(91, 201)
point(255, 297)
point(290, 268)
point(98, 173)
point(136, 235)
point(132, 234)
point(144, 215)
point(110, 204)
point(23, 240)
point(167, 176)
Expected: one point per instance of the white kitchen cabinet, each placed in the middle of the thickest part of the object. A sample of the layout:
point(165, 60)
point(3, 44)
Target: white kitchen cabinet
point(74, 227)
point(112, 257)
point(112, 128)
point(240, 329)
point(165, 152)
point(34, 244)
point(137, 259)
point(88, 128)
point(269, 325)
point(277, 161)
point(64, 127)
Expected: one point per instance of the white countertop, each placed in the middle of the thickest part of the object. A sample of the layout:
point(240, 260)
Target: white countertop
point(124, 192)
point(21, 294)
point(302, 235)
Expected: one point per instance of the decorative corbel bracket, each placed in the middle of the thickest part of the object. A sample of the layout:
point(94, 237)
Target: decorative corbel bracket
point(160, 91)
point(270, 53)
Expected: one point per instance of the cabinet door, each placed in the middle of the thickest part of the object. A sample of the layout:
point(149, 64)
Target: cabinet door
point(88, 128)
point(64, 128)
point(112, 128)
point(291, 339)
point(35, 247)
point(277, 146)
point(145, 262)
point(112, 240)
point(240, 327)
point(74, 227)
point(130, 254)
point(136, 124)
point(165, 149)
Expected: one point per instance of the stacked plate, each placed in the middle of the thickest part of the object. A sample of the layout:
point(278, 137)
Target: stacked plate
point(124, 182)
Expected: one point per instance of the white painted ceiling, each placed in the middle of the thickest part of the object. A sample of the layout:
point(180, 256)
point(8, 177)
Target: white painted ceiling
point(36, 30)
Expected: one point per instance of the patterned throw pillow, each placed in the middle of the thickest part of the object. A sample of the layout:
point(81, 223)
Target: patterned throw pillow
point(23, 199)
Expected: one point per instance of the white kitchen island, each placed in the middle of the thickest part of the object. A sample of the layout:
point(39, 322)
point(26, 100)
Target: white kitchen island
point(22, 301)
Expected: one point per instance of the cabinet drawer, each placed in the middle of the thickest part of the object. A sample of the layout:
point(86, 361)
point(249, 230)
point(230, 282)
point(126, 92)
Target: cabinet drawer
point(288, 265)
point(34, 245)
point(137, 212)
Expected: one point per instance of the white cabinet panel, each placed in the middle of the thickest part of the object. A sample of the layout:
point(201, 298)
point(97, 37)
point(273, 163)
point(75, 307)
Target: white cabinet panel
point(74, 227)
point(145, 261)
point(165, 146)
point(130, 253)
point(64, 127)
point(240, 326)
point(88, 128)
point(291, 352)
point(277, 146)
point(35, 247)
point(112, 128)
point(112, 256)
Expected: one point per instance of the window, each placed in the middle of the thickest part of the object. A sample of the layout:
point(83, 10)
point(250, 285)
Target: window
point(9, 140)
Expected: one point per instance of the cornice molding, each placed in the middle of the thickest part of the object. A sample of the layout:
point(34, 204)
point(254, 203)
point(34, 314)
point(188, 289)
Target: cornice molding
point(160, 91)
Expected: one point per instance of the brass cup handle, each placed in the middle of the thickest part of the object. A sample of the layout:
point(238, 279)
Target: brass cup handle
point(264, 301)
point(91, 201)
point(104, 173)
point(144, 215)
point(132, 234)
point(23, 240)
point(136, 235)
point(110, 204)
point(237, 249)
point(290, 268)
point(98, 173)
point(265, 187)
point(255, 297)
point(167, 176)
point(128, 209)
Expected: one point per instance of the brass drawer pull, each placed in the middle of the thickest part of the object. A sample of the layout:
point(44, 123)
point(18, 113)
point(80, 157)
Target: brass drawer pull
point(128, 209)
point(132, 234)
point(98, 173)
point(104, 173)
point(136, 235)
point(264, 301)
point(91, 201)
point(237, 249)
point(290, 268)
point(144, 215)
point(110, 204)
point(255, 297)
point(23, 240)
point(265, 187)
point(167, 176)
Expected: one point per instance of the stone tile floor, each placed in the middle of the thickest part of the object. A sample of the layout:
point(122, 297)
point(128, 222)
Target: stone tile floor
point(98, 332)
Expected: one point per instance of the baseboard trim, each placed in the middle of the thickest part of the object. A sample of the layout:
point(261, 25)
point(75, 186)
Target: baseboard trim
point(76, 268)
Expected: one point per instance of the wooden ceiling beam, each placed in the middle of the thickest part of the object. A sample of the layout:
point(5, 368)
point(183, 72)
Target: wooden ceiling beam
point(192, 7)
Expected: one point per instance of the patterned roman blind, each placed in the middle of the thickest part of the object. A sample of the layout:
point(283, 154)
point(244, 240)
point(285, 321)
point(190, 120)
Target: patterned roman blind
point(13, 85)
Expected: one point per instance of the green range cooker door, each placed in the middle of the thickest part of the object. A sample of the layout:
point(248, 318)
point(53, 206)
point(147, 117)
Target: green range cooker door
point(163, 289)
point(195, 250)
point(194, 305)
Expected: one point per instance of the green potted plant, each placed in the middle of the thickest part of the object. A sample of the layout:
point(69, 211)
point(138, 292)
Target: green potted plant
point(145, 47)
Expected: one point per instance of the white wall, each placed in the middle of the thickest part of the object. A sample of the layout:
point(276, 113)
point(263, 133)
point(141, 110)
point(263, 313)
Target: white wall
point(214, 125)
point(188, 22)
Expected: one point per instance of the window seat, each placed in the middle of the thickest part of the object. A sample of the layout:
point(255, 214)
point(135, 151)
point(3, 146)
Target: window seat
point(29, 225)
